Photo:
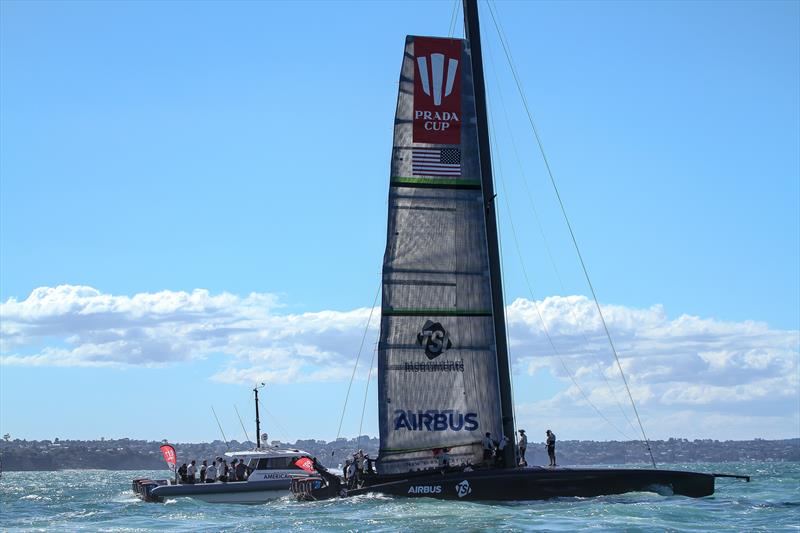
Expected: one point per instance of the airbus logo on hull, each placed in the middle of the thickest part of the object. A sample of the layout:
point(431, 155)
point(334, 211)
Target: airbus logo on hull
point(425, 489)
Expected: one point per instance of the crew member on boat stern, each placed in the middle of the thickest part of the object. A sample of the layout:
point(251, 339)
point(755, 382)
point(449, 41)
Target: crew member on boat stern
point(488, 447)
point(551, 447)
point(523, 445)
point(203, 468)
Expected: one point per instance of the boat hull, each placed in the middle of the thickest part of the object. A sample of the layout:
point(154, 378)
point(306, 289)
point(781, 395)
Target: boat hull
point(242, 492)
point(541, 483)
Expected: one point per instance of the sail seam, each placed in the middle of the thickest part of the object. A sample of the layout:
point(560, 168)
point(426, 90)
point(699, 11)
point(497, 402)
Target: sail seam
point(436, 312)
point(402, 181)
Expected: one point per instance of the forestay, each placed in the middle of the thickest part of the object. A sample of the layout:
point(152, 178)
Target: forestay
point(438, 380)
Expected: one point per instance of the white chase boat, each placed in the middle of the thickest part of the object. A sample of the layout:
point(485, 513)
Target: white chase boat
point(270, 473)
point(270, 478)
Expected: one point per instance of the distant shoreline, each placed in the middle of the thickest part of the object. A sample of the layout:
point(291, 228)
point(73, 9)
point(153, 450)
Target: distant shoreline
point(128, 454)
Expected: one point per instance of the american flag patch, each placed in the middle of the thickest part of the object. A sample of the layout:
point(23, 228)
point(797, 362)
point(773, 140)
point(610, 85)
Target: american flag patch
point(436, 161)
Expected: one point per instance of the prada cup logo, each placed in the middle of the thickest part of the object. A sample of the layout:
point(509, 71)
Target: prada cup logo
point(437, 80)
point(434, 338)
point(437, 93)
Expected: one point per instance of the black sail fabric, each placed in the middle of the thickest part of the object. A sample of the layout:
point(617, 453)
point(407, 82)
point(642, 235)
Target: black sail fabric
point(437, 366)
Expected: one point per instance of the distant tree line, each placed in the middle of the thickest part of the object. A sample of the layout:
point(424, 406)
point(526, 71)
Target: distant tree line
point(131, 454)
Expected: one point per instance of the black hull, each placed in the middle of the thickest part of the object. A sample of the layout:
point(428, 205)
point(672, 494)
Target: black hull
point(522, 484)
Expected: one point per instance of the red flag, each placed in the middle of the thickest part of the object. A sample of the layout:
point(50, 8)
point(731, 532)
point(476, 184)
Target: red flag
point(169, 455)
point(306, 464)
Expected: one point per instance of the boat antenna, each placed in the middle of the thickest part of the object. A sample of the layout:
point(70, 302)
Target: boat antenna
point(473, 33)
point(220, 428)
point(240, 422)
point(258, 420)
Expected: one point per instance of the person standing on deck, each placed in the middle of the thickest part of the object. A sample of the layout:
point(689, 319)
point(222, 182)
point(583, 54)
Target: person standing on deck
point(232, 471)
point(182, 473)
point(223, 471)
point(351, 475)
point(203, 469)
point(499, 457)
point(241, 471)
point(551, 447)
point(488, 447)
point(523, 445)
point(211, 473)
point(190, 472)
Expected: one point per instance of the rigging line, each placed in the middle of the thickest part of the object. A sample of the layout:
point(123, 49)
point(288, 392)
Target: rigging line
point(220, 428)
point(366, 393)
point(242, 423)
point(571, 232)
point(283, 433)
point(453, 18)
point(496, 161)
point(355, 366)
point(544, 238)
point(533, 298)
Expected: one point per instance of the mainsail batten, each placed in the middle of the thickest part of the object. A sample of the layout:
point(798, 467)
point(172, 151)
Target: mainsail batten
point(437, 364)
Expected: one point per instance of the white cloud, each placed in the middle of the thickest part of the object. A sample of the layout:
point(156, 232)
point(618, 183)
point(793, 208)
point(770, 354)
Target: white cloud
point(80, 326)
point(683, 365)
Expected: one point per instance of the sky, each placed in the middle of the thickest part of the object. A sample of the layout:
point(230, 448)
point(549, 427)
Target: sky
point(193, 200)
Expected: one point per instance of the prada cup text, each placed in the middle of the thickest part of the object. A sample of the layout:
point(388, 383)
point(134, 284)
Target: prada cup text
point(436, 120)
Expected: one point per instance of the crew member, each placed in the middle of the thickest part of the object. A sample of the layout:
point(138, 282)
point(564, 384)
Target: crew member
point(203, 469)
point(351, 475)
point(241, 471)
point(444, 459)
point(500, 458)
point(190, 471)
point(182, 472)
point(211, 473)
point(551, 447)
point(232, 470)
point(488, 447)
point(523, 445)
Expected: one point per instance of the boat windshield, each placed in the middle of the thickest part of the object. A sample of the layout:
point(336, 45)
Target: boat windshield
point(274, 463)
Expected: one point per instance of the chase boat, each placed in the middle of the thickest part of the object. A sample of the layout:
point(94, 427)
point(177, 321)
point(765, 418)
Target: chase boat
point(271, 477)
point(271, 471)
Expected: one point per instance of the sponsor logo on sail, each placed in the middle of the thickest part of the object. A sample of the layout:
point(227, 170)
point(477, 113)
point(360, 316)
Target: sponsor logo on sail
point(434, 338)
point(437, 90)
point(425, 489)
point(433, 420)
point(433, 366)
point(463, 488)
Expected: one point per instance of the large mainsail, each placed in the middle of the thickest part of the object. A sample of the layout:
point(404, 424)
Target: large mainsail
point(438, 379)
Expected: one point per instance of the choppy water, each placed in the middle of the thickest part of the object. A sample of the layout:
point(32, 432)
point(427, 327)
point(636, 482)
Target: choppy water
point(101, 500)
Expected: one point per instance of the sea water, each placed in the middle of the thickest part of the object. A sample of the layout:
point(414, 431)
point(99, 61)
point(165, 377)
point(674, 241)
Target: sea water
point(102, 500)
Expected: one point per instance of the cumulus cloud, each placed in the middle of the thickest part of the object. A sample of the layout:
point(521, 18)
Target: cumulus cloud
point(80, 326)
point(684, 363)
point(685, 360)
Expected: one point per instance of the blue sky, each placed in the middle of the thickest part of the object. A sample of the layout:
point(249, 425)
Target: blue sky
point(199, 190)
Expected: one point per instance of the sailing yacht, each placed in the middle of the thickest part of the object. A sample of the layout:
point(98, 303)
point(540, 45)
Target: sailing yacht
point(443, 371)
